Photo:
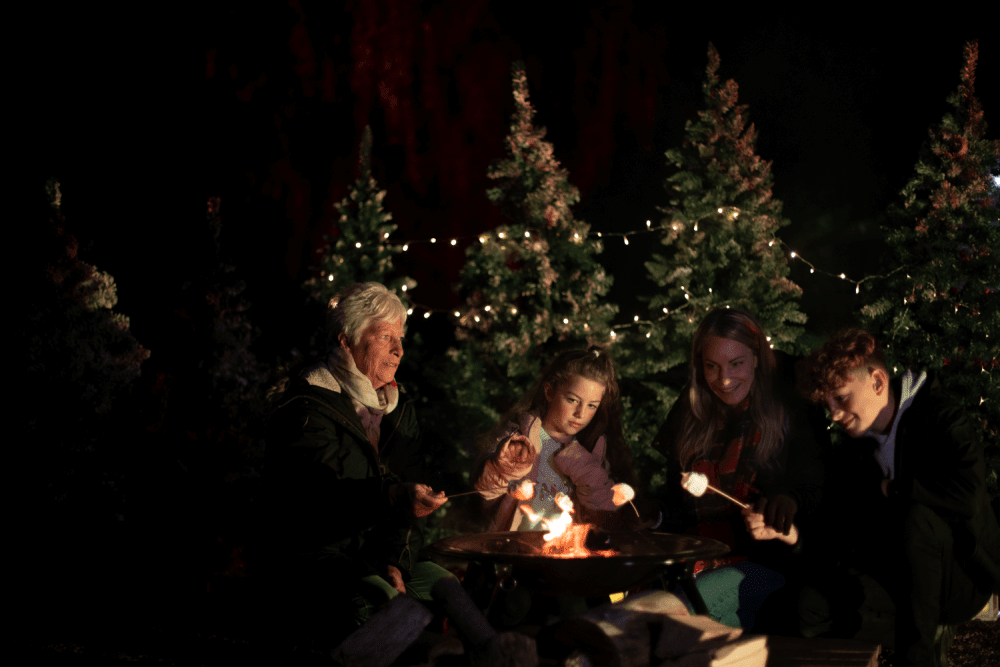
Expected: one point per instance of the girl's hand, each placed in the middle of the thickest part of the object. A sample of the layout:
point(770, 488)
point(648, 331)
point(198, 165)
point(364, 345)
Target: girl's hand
point(395, 578)
point(758, 528)
point(514, 454)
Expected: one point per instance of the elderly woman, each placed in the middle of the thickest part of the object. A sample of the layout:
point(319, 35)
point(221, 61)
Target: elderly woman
point(344, 530)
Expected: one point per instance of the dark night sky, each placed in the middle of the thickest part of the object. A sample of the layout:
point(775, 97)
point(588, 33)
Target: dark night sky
point(140, 134)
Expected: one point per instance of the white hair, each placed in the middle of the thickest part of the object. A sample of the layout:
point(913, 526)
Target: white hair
point(360, 305)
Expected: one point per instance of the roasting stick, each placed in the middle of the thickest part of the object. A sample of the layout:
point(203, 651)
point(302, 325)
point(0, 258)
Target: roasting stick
point(469, 493)
point(696, 484)
point(724, 495)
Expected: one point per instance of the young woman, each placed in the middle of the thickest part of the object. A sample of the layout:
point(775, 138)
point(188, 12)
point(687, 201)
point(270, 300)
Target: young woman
point(565, 436)
point(740, 423)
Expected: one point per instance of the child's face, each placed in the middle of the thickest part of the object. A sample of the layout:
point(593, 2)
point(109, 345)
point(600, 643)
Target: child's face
point(571, 406)
point(862, 403)
point(728, 367)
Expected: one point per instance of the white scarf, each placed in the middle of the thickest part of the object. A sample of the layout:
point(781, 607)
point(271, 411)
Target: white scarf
point(886, 452)
point(339, 373)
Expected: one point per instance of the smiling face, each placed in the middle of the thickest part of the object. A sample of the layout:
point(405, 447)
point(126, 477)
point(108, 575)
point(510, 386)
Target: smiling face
point(728, 367)
point(378, 351)
point(863, 403)
point(571, 406)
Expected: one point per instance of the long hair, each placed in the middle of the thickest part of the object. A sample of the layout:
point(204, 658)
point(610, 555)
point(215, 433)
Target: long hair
point(707, 413)
point(593, 364)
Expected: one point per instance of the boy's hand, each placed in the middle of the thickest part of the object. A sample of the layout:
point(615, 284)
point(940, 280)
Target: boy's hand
point(779, 511)
point(759, 529)
point(514, 454)
point(395, 577)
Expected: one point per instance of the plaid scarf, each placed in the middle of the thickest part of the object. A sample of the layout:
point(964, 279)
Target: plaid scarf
point(731, 466)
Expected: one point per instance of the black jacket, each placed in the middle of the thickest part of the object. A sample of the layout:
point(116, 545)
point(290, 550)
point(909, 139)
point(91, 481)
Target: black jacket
point(330, 488)
point(938, 463)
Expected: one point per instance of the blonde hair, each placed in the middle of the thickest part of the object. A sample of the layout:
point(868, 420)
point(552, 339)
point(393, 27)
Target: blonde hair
point(357, 307)
point(706, 412)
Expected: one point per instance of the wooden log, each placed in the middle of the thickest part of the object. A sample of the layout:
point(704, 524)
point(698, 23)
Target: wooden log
point(385, 636)
point(508, 649)
point(682, 635)
point(620, 633)
point(742, 652)
point(821, 652)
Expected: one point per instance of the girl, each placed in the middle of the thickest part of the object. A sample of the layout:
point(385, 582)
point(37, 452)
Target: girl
point(564, 435)
point(739, 422)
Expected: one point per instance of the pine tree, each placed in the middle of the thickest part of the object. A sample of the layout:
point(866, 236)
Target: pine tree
point(360, 251)
point(532, 287)
point(937, 309)
point(720, 250)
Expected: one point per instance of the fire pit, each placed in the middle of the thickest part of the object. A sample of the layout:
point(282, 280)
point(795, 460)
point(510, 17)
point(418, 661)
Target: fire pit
point(617, 562)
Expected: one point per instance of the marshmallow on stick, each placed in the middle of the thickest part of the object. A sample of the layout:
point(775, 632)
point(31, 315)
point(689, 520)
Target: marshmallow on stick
point(622, 493)
point(523, 490)
point(696, 484)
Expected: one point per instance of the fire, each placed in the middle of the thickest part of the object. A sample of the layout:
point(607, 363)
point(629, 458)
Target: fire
point(565, 539)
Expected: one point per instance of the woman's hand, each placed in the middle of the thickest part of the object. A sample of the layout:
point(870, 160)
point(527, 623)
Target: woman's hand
point(758, 528)
point(779, 511)
point(513, 455)
point(416, 500)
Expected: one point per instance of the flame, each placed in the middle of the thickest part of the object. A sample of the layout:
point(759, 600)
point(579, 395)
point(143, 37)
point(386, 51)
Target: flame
point(565, 539)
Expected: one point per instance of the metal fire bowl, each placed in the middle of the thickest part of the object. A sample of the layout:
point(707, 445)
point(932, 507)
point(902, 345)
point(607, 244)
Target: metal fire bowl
point(642, 558)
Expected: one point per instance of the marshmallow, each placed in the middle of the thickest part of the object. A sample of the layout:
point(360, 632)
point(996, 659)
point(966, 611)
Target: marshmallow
point(523, 490)
point(622, 493)
point(695, 483)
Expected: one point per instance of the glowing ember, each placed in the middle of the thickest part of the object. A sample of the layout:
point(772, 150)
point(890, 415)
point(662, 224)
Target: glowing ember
point(695, 483)
point(523, 490)
point(623, 493)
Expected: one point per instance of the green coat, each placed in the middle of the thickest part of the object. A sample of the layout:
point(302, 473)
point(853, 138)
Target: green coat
point(330, 487)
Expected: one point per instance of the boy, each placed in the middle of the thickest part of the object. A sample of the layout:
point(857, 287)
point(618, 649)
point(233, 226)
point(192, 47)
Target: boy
point(907, 502)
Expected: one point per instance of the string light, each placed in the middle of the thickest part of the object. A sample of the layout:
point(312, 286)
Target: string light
point(626, 239)
point(403, 287)
point(357, 245)
point(648, 223)
point(405, 247)
point(330, 278)
point(433, 240)
point(565, 321)
point(454, 241)
point(635, 319)
point(409, 311)
point(427, 314)
point(527, 235)
point(487, 309)
point(386, 235)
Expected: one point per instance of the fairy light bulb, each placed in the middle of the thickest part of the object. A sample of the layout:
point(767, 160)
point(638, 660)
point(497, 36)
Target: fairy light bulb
point(427, 314)
point(513, 311)
point(626, 239)
point(635, 319)
point(664, 311)
point(812, 270)
point(648, 224)
point(709, 290)
point(527, 235)
point(613, 334)
point(843, 277)
point(857, 288)
point(409, 311)
point(405, 247)
point(403, 287)
point(565, 321)
point(454, 241)
point(330, 278)
point(386, 235)
point(768, 338)
point(482, 239)
point(687, 296)
point(648, 334)
point(458, 314)
point(720, 210)
point(434, 240)
point(696, 226)
point(502, 235)
point(770, 243)
point(476, 317)
point(793, 254)
point(357, 245)
point(487, 309)
point(575, 235)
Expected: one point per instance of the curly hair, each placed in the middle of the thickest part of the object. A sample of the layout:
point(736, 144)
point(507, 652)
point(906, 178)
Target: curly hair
point(830, 367)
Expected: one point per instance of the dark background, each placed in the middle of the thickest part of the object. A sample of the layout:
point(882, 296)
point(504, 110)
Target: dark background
point(140, 135)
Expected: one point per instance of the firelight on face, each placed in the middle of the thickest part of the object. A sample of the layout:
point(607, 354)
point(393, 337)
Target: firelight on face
point(728, 367)
point(378, 352)
point(571, 406)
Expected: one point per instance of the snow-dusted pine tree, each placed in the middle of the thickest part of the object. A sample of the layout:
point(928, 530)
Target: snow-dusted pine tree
point(360, 250)
point(937, 310)
point(532, 287)
point(720, 249)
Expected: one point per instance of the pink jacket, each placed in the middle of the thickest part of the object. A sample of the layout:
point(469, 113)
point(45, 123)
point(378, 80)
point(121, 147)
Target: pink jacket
point(586, 471)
